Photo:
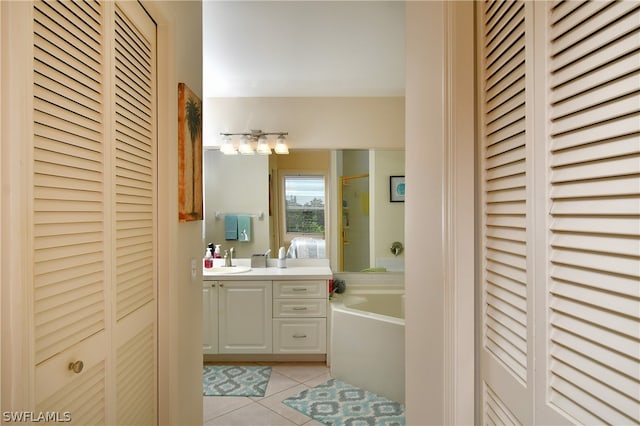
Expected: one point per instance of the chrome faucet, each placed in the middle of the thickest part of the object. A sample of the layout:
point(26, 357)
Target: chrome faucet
point(228, 257)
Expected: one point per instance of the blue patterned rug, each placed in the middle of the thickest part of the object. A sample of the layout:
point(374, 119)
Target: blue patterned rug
point(336, 403)
point(235, 380)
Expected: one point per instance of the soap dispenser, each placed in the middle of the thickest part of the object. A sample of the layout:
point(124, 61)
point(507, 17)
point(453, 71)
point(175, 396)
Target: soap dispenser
point(216, 252)
point(208, 259)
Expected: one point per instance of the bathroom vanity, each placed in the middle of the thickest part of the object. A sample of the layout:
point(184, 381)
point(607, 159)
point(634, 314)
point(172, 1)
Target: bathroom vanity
point(267, 311)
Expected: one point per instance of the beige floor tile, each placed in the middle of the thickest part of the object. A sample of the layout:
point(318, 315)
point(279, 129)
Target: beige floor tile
point(318, 379)
point(301, 372)
point(277, 383)
point(313, 423)
point(251, 415)
point(215, 406)
point(274, 403)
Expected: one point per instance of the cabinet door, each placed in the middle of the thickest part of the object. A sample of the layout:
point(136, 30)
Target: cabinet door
point(244, 315)
point(210, 317)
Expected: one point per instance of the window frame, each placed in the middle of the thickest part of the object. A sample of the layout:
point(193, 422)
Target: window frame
point(286, 237)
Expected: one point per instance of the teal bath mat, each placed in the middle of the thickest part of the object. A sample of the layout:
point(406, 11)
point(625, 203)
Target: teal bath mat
point(336, 403)
point(235, 380)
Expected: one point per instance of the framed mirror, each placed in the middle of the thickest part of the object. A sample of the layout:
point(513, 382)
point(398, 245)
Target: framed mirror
point(359, 222)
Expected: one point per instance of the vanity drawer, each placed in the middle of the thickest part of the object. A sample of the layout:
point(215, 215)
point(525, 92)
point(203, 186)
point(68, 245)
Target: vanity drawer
point(283, 308)
point(304, 335)
point(300, 289)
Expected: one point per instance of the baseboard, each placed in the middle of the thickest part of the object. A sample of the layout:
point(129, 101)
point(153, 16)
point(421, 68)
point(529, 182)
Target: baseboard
point(265, 358)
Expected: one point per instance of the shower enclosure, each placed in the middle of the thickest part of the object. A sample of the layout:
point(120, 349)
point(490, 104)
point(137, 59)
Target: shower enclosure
point(354, 223)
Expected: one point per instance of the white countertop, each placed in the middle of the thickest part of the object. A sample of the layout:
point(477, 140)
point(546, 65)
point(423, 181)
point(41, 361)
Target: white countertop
point(296, 269)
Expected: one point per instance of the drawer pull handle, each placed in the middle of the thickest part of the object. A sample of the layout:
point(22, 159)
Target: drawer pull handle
point(76, 367)
point(299, 336)
point(299, 308)
point(299, 289)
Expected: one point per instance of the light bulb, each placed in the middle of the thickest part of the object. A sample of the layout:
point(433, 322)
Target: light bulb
point(263, 146)
point(281, 145)
point(227, 147)
point(245, 147)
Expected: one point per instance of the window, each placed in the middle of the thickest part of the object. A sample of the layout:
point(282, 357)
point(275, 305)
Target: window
point(304, 204)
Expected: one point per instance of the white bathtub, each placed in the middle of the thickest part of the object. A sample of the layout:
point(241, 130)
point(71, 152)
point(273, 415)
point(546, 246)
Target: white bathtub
point(367, 341)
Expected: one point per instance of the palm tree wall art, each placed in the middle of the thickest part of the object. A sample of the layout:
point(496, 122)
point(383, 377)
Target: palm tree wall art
point(189, 154)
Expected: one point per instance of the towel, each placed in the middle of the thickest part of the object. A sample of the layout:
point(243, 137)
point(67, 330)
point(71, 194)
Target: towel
point(244, 228)
point(231, 227)
point(306, 248)
point(377, 269)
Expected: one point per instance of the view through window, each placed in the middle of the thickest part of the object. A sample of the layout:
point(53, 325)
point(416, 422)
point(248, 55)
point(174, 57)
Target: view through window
point(304, 204)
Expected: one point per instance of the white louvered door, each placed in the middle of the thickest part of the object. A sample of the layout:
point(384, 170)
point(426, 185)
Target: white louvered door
point(561, 224)
point(94, 211)
point(134, 206)
point(505, 70)
point(592, 363)
point(69, 210)
point(134, 154)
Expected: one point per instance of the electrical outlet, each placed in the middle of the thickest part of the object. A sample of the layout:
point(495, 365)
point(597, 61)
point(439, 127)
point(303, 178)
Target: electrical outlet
point(194, 270)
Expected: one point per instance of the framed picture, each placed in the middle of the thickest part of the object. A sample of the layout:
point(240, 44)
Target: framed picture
point(396, 186)
point(189, 155)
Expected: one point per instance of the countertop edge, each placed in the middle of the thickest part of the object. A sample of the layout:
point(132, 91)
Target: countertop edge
point(271, 273)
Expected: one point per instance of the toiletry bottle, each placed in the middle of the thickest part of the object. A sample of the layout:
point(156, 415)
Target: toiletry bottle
point(216, 252)
point(208, 259)
point(282, 260)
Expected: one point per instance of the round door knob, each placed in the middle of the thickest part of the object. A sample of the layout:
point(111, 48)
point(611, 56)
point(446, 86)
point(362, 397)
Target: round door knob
point(76, 367)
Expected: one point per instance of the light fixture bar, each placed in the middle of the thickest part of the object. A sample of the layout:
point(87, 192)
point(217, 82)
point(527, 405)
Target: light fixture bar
point(256, 134)
point(257, 137)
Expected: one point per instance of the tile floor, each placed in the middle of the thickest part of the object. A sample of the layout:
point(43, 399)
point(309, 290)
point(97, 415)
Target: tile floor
point(287, 379)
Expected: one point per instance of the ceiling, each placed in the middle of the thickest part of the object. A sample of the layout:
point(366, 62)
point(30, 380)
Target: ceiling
point(303, 48)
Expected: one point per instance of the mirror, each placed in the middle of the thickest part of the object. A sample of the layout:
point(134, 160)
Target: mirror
point(363, 223)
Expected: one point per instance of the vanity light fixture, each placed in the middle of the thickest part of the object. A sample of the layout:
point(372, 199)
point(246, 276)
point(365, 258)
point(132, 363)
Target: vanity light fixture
point(255, 141)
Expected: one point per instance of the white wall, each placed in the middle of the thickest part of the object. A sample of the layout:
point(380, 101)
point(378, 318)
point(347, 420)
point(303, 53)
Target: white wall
point(424, 329)
point(439, 213)
point(237, 184)
point(387, 218)
point(331, 123)
point(179, 296)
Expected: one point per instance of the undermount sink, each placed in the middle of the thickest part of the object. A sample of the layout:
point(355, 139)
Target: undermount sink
point(229, 269)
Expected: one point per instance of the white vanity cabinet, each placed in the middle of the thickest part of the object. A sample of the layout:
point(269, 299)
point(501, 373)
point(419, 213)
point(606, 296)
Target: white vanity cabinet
point(244, 317)
point(210, 317)
point(300, 316)
point(276, 311)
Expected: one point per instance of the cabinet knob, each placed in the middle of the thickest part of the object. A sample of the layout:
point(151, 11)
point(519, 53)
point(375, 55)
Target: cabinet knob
point(299, 336)
point(76, 367)
point(221, 285)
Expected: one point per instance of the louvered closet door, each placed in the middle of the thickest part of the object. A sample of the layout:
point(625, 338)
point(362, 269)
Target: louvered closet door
point(94, 211)
point(504, 52)
point(591, 371)
point(135, 214)
point(69, 209)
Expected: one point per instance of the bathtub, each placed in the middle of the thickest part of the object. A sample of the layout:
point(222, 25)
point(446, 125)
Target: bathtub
point(367, 341)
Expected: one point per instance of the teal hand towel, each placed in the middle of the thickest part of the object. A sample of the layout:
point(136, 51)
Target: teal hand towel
point(244, 228)
point(231, 227)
